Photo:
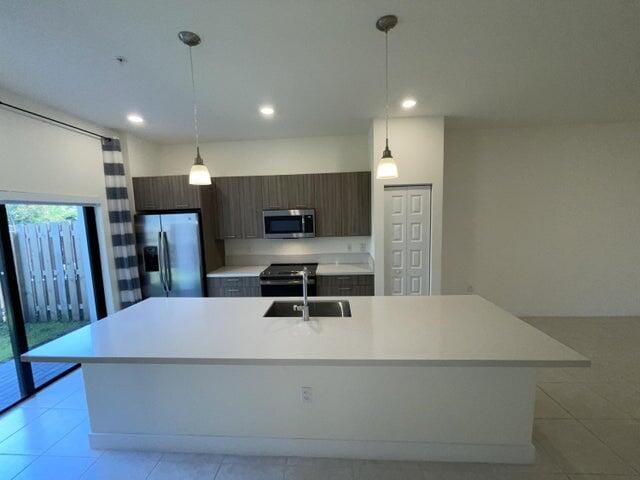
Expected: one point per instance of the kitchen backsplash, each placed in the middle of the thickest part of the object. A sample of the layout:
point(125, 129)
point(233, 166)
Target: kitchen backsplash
point(301, 246)
point(321, 250)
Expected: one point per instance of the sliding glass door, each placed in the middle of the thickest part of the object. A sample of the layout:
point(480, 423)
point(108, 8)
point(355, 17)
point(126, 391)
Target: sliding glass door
point(53, 286)
point(11, 369)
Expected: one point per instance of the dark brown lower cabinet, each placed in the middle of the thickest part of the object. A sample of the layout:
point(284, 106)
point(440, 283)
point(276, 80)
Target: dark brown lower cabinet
point(328, 286)
point(233, 286)
point(347, 285)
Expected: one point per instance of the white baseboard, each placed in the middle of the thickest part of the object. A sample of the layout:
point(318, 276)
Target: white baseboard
point(356, 449)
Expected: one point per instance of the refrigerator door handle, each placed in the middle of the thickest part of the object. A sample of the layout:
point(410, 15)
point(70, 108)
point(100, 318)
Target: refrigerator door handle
point(161, 263)
point(167, 261)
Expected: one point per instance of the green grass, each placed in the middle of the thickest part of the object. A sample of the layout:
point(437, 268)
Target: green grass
point(37, 334)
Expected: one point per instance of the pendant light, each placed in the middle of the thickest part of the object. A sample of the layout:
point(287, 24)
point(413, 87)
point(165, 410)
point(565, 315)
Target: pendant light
point(199, 174)
point(387, 167)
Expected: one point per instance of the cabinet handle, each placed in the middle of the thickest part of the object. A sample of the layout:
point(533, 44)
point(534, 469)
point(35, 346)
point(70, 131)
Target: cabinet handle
point(232, 279)
point(230, 236)
point(232, 290)
point(182, 205)
point(344, 278)
point(344, 288)
point(250, 236)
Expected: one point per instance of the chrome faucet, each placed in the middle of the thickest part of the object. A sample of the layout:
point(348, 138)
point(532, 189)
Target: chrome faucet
point(304, 308)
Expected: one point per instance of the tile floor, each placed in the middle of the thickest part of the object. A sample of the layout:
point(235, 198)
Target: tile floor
point(587, 427)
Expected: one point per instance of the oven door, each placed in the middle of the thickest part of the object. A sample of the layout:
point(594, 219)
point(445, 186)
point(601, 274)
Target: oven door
point(286, 288)
point(288, 223)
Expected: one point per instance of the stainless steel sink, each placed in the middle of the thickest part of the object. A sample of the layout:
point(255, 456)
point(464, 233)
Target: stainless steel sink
point(320, 308)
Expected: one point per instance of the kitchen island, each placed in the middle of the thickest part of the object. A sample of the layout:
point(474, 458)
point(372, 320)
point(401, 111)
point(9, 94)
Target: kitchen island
point(447, 378)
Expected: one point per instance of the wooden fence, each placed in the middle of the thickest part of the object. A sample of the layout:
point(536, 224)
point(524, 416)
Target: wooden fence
point(51, 271)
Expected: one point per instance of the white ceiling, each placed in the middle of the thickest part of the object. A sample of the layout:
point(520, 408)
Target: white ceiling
point(320, 62)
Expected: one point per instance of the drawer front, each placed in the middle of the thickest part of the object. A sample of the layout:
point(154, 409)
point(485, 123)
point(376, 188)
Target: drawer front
point(347, 285)
point(234, 286)
point(345, 280)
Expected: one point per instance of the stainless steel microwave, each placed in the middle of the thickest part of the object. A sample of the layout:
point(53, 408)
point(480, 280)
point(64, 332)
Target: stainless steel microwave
point(289, 223)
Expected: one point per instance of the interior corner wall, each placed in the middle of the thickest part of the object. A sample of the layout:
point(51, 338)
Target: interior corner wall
point(142, 155)
point(545, 220)
point(417, 144)
point(141, 158)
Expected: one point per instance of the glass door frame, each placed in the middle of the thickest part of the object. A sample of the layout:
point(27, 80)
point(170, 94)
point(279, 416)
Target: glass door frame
point(10, 284)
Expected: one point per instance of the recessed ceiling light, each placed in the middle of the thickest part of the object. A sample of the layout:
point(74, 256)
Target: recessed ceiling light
point(409, 103)
point(134, 118)
point(267, 110)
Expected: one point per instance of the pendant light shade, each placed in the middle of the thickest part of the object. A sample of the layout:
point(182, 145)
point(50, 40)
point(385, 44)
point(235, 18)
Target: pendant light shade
point(199, 173)
point(387, 167)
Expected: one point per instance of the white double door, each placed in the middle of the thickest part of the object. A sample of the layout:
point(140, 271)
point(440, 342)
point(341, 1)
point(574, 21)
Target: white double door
point(407, 240)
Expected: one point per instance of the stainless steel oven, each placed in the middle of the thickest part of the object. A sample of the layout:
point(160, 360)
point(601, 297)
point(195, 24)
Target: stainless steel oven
point(289, 223)
point(284, 280)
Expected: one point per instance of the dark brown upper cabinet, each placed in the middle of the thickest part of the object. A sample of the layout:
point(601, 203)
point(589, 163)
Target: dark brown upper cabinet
point(301, 190)
point(184, 196)
point(165, 193)
point(251, 206)
point(147, 193)
point(342, 202)
point(239, 207)
point(275, 192)
point(284, 192)
point(355, 216)
point(328, 204)
point(229, 200)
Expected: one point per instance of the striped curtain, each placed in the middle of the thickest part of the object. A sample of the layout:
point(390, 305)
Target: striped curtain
point(122, 238)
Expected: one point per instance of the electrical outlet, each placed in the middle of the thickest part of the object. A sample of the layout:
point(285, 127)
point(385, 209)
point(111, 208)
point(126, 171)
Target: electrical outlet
point(363, 246)
point(307, 394)
point(349, 247)
point(470, 289)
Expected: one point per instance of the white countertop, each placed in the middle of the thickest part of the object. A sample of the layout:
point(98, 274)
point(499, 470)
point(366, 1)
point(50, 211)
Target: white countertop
point(344, 269)
point(422, 331)
point(237, 271)
point(323, 269)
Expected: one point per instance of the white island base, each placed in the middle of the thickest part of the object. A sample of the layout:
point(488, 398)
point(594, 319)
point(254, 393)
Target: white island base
point(479, 414)
point(448, 378)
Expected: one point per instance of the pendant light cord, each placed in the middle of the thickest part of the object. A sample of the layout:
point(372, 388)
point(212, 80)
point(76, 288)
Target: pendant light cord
point(195, 105)
point(386, 85)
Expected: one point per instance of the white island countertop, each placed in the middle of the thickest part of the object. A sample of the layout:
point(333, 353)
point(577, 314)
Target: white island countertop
point(421, 331)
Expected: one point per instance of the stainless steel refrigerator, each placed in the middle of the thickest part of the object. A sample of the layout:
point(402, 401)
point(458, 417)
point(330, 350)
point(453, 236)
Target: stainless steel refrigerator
point(170, 255)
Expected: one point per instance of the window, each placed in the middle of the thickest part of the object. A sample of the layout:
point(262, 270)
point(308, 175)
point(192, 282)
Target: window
point(51, 285)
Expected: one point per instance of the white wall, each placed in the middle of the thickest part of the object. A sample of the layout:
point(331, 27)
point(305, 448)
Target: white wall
point(43, 162)
point(417, 144)
point(141, 159)
point(545, 220)
point(144, 156)
point(270, 157)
